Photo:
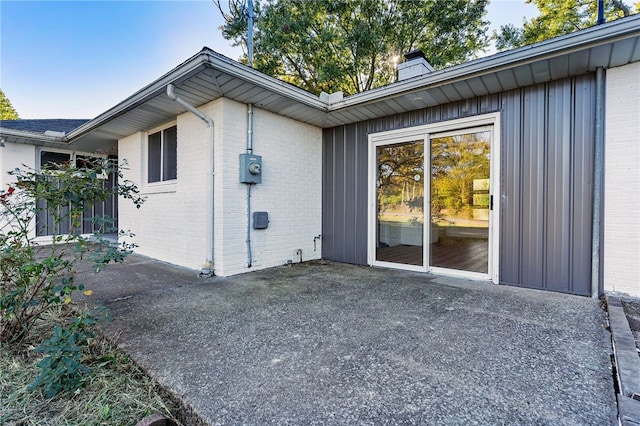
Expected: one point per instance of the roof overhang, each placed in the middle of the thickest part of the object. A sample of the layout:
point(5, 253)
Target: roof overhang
point(609, 45)
point(208, 76)
point(203, 78)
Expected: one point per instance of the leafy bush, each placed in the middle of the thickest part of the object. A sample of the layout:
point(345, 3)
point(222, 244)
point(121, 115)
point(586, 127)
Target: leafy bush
point(38, 279)
point(62, 368)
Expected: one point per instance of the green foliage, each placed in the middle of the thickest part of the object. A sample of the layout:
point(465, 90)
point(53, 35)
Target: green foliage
point(7, 112)
point(62, 370)
point(36, 280)
point(354, 45)
point(558, 17)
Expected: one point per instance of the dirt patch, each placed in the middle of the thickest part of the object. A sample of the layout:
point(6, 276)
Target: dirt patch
point(632, 310)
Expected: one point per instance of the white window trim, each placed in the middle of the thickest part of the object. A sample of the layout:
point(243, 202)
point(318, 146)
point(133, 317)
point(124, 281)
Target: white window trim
point(162, 186)
point(425, 132)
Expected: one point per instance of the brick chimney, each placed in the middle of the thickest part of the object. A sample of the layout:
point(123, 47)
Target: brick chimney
point(416, 65)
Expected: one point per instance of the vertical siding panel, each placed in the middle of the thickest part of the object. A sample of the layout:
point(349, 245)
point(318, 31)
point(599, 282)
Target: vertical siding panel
point(584, 142)
point(558, 229)
point(339, 193)
point(350, 193)
point(510, 147)
point(328, 192)
point(362, 195)
point(533, 188)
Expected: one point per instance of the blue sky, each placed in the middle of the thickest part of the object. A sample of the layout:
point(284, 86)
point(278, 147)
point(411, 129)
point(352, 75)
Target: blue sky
point(76, 59)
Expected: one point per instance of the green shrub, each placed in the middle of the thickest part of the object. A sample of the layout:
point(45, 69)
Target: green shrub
point(38, 279)
point(62, 368)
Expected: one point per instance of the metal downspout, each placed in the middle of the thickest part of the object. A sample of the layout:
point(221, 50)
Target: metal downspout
point(209, 267)
point(598, 172)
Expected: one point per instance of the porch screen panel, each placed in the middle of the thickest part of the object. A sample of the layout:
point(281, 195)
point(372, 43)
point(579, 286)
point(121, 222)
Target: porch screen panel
point(45, 223)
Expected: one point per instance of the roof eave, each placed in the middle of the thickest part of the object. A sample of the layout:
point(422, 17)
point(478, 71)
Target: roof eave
point(34, 138)
point(563, 45)
point(203, 59)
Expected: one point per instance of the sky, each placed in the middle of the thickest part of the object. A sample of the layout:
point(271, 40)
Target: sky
point(77, 59)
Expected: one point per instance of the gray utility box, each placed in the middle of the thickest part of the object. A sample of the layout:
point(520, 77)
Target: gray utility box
point(250, 168)
point(260, 220)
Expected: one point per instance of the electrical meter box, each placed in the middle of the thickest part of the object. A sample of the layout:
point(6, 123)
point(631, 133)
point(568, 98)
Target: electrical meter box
point(250, 168)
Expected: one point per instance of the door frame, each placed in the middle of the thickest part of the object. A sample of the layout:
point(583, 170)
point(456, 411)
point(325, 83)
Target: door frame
point(424, 132)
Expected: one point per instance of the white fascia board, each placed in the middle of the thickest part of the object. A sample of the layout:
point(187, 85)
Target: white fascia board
point(33, 138)
point(204, 59)
point(563, 45)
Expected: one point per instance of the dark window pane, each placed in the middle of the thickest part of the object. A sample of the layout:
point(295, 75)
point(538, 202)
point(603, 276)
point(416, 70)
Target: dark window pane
point(169, 153)
point(53, 160)
point(155, 156)
point(86, 162)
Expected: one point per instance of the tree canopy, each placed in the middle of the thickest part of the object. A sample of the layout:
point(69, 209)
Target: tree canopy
point(354, 45)
point(7, 112)
point(558, 17)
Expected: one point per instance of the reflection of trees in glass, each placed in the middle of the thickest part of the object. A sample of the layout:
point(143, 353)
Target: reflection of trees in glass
point(398, 167)
point(456, 161)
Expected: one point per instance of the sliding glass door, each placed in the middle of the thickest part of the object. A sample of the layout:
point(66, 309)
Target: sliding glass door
point(441, 221)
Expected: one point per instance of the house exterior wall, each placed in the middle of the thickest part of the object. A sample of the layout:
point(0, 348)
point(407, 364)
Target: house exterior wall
point(172, 223)
point(15, 155)
point(621, 264)
point(546, 181)
point(290, 191)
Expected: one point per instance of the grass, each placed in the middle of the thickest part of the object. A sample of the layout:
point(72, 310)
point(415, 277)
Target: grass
point(116, 392)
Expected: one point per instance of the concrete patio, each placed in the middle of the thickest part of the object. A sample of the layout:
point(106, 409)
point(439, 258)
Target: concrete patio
point(330, 343)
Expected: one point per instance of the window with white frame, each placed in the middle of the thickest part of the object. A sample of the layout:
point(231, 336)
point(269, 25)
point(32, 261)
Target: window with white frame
point(53, 160)
point(162, 155)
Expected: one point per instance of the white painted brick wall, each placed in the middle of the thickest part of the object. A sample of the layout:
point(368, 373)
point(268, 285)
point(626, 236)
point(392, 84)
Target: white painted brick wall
point(290, 191)
point(172, 226)
point(622, 181)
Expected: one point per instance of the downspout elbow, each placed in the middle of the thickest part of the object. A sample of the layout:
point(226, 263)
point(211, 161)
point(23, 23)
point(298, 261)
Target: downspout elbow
point(171, 92)
point(202, 116)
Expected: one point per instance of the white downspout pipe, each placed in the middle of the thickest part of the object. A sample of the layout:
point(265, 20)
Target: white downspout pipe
point(598, 177)
point(209, 266)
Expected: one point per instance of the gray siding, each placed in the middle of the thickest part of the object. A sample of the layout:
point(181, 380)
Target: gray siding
point(547, 140)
